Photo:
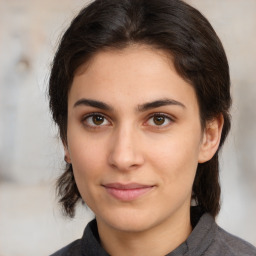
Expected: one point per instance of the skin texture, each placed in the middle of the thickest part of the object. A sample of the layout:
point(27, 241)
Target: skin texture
point(157, 146)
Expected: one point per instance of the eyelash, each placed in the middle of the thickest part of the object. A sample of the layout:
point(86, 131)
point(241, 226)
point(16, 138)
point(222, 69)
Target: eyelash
point(165, 117)
point(94, 126)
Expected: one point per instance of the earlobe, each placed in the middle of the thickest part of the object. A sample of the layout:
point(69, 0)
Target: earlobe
point(67, 155)
point(211, 139)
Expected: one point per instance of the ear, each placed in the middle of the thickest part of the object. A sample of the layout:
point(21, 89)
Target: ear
point(211, 139)
point(67, 154)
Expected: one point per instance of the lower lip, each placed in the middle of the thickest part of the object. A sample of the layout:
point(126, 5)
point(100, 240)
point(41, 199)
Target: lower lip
point(128, 194)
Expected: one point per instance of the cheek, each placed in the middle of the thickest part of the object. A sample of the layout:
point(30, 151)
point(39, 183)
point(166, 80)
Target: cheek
point(84, 149)
point(87, 172)
point(175, 150)
point(87, 160)
point(176, 159)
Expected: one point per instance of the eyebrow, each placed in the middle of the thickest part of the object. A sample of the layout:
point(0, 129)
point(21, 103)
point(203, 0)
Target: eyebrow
point(159, 103)
point(141, 108)
point(93, 103)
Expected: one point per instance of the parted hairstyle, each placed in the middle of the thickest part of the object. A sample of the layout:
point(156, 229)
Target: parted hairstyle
point(170, 25)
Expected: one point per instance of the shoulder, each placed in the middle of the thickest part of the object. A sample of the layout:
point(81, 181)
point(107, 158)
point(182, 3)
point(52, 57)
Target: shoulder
point(72, 249)
point(208, 239)
point(88, 245)
point(227, 244)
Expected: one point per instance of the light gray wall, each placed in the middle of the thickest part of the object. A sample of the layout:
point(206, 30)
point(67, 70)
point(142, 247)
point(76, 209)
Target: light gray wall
point(31, 155)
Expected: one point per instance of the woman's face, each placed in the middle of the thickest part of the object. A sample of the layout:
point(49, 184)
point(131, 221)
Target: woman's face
point(134, 139)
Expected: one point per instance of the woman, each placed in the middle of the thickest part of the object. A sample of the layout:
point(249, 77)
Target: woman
point(140, 91)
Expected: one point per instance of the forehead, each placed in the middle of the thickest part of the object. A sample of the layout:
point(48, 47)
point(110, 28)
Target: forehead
point(123, 55)
point(136, 73)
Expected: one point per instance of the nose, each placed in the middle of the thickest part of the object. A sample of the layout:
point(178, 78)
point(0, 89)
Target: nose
point(125, 151)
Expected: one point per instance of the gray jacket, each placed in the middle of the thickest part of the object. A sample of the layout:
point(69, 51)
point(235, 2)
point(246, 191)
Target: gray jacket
point(206, 239)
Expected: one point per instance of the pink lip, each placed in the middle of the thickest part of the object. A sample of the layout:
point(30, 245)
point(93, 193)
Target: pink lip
point(127, 192)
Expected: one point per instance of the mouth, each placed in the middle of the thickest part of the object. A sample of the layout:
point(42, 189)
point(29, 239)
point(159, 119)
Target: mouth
point(127, 192)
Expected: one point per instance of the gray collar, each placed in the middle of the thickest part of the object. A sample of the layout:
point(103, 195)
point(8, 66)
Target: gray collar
point(198, 241)
point(200, 238)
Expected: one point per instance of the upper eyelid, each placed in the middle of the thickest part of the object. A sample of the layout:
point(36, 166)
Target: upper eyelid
point(171, 117)
point(94, 114)
point(84, 117)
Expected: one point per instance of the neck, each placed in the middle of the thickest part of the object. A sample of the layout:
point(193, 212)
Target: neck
point(158, 240)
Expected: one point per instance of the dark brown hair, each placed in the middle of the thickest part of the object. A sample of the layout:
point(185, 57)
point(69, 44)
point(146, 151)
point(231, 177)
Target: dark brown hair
point(170, 25)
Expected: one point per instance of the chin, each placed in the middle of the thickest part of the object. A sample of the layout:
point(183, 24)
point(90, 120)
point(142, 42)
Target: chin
point(132, 226)
point(130, 221)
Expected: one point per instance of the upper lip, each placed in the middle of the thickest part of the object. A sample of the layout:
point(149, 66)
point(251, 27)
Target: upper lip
point(126, 186)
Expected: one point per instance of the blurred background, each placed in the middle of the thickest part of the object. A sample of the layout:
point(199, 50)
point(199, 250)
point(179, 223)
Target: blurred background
point(31, 155)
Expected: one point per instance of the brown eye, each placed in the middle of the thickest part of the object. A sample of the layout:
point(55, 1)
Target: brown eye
point(158, 120)
point(95, 120)
point(98, 120)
